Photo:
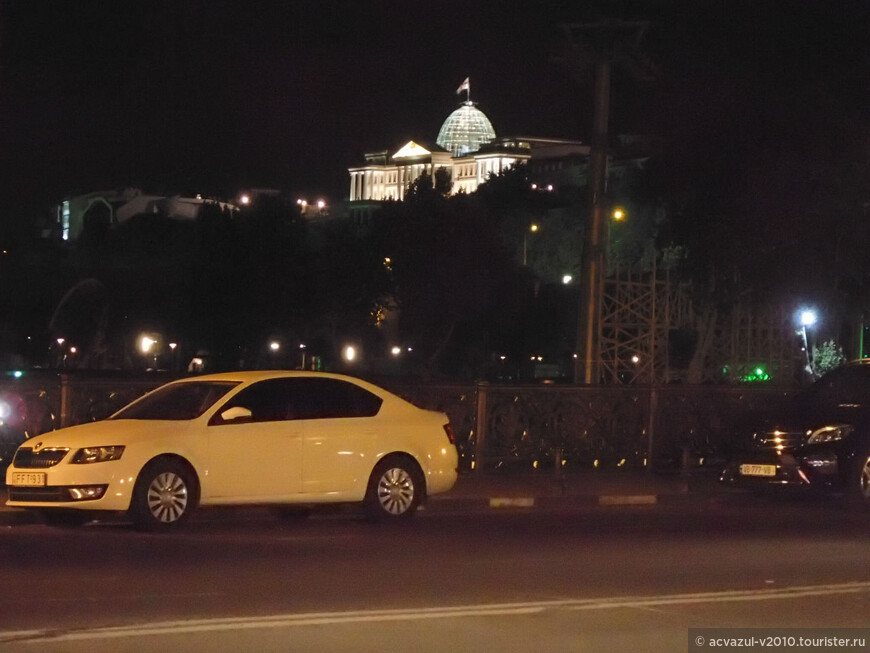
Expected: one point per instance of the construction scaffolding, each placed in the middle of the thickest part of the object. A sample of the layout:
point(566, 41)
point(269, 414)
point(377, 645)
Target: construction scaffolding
point(642, 311)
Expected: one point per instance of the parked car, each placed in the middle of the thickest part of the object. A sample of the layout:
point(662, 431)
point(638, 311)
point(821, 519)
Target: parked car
point(269, 438)
point(821, 441)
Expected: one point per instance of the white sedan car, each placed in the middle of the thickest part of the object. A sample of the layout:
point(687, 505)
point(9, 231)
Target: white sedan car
point(268, 438)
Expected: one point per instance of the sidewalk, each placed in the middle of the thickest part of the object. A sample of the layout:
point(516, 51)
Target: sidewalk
point(543, 490)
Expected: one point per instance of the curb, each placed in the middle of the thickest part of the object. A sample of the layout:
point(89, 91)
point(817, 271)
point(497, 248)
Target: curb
point(498, 499)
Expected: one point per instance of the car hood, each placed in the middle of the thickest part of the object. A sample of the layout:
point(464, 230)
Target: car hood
point(109, 432)
point(802, 416)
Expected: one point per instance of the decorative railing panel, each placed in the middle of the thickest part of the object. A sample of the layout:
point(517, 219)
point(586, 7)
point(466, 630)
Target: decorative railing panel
point(498, 427)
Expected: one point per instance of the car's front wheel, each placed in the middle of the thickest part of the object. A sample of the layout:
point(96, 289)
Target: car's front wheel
point(395, 489)
point(860, 489)
point(164, 496)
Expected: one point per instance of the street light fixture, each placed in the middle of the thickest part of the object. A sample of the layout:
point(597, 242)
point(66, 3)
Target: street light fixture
point(533, 228)
point(146, 343)
point(807, 318)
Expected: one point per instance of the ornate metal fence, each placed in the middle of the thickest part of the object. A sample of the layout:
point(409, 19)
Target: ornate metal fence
point(566, 427)
point(499, 426)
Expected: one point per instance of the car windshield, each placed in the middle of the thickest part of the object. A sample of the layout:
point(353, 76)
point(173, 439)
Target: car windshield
point(177, 401)
point(848, 383)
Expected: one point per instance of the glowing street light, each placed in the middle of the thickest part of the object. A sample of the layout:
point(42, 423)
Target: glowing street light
point(349, 353)
point(533, 228)
point(807, 318)
point(274, 345)
point(618, 215)
point(146, 343)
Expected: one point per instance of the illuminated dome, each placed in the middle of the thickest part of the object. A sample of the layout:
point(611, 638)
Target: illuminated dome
point(465, 130)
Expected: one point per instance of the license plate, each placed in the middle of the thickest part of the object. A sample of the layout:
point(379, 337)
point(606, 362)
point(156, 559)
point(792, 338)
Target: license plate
point(28, 479)
point(758, 470)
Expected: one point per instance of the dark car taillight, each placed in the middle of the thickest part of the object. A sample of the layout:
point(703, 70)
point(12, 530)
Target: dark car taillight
point(448, 429)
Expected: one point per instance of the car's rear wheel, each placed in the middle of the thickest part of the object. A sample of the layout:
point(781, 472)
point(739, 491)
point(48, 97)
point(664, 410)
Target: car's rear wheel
point(164, 496)
point(395, 489)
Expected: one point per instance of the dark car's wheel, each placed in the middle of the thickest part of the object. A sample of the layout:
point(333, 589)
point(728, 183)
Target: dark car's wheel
point(65, 518)
point(860, 490)
point(164, 496)
point(395, 489)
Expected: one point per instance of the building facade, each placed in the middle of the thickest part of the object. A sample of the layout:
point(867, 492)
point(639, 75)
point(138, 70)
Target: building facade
point(468, 149)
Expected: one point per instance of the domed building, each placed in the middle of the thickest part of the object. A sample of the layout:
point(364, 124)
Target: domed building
point(465, 130)
point(466, 146)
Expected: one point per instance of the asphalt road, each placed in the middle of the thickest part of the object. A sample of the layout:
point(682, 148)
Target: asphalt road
point(591, 579)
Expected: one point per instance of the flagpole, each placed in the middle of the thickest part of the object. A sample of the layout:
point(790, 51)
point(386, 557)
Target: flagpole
point(465, 86)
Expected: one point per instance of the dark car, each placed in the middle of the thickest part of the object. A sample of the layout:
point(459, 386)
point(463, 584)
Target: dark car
point(821, 441)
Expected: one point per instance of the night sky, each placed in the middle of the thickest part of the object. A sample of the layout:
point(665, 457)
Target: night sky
point(198, 96)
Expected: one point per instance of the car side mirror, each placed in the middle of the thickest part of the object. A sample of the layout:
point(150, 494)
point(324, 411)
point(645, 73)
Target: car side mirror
point(236, 413)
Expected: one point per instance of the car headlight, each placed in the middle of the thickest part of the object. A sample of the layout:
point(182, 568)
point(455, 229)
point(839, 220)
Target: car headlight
point(829, 433)
point(97, 454)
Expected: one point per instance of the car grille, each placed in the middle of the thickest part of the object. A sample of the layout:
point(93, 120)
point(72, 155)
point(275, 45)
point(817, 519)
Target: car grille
point(779, 439)
point(38, 494)
point(28, 458)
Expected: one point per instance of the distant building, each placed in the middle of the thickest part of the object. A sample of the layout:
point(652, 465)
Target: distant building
point(469, 150)
point(121, 205)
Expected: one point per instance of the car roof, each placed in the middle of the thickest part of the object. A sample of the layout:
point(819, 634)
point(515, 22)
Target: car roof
point(246, 376)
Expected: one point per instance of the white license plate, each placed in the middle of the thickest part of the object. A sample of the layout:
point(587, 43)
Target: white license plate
point(28, 479)
point(758, 470)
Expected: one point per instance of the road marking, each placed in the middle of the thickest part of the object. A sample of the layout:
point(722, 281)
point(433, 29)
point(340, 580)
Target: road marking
point(512, 502)
point(627, 500)
point(449, 612)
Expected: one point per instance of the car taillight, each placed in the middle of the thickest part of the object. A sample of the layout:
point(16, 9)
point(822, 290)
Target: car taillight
point(448, 429)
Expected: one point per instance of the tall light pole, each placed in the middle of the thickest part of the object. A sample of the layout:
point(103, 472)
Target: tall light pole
point(532, 228)
point(807, 318)
point(597, 46)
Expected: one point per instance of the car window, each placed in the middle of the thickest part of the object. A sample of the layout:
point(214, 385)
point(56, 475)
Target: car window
point(177, 401)
point(267, 400)
point(316, 398)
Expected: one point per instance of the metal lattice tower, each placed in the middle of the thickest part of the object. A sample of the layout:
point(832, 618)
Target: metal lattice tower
point(640, 310)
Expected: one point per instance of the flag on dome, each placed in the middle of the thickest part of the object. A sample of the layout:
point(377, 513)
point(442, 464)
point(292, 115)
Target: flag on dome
point(464, 86)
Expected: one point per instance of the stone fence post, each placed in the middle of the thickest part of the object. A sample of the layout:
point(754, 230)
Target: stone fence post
point(481, 425)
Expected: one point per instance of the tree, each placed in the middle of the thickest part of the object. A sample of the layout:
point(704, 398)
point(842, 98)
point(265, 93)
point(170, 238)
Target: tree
point(447, 260)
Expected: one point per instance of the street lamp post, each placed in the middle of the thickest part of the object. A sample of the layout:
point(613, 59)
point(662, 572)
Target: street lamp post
point(533, 228)
point(807, 318)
